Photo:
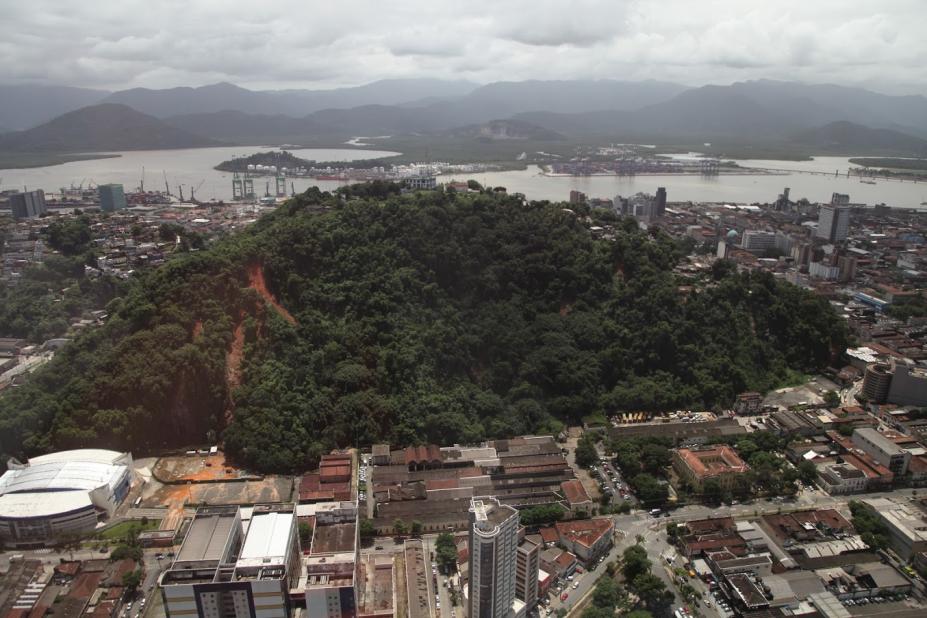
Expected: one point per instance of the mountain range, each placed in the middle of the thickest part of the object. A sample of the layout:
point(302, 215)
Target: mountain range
point(813, 115)
point(107, 126)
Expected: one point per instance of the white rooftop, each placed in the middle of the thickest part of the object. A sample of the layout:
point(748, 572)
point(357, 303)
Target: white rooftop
point(53, 503)
point(267, 540)
point(85, 469)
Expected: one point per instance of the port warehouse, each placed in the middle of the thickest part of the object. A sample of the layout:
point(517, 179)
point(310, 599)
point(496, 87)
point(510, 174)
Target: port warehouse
point(61, 494)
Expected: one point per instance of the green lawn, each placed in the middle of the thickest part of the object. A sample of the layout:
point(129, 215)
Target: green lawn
point(122, 528)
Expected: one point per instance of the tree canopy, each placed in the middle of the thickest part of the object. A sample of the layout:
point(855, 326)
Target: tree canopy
point(369, 316)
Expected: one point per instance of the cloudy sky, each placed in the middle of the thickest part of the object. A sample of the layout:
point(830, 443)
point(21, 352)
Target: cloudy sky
point(322, 43)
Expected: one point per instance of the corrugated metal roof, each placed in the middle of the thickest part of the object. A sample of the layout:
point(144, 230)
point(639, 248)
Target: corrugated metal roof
point(268, 537)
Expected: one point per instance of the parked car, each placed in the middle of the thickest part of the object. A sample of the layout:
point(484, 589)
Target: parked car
point(564, 596)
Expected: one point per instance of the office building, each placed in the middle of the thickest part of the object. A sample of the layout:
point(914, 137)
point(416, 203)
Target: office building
point(527, 566)
point(782, 202)
point(112, 198)
point(840, 199)
point(882, 450)
point(493, 554)
point(659, 202)
point(833, 222)
point(908, 386)
point(28, 204)
point(222, 572)
point(758, 241)
point(421, 182)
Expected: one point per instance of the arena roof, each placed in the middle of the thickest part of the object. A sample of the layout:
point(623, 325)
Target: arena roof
point(27, 505)
point(85, 469)
point(94, 455)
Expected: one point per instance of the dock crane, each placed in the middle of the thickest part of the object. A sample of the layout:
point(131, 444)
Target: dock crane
point(193, 190)
point(167, 187)
point(180, 192)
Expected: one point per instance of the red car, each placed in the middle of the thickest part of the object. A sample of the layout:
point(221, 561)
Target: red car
point(563, 597)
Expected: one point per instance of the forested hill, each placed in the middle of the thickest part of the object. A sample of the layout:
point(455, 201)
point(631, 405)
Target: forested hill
point(357, 318)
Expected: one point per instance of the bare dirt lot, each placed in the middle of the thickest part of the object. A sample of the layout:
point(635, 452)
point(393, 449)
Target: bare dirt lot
point(271, 489)
point(196, 468)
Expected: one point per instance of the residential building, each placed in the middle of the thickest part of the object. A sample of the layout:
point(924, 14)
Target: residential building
point(28, 204)
point(822, 270)
point(876, 382)
point(587, 539)
point(882, 450)
point(112, 197)
point(834, 221)
point(577, 197)
point(221, 572)
point(720, 462)
point(527, 566)
point(493, 553)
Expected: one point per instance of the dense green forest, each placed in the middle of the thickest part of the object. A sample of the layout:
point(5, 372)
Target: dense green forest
point(427, 317)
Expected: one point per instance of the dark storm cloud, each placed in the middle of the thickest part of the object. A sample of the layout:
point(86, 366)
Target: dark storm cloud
point(290, 43)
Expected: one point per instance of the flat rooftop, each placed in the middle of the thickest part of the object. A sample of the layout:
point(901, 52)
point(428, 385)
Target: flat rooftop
point(268, 538)
point(208, 535)
point(333, 538)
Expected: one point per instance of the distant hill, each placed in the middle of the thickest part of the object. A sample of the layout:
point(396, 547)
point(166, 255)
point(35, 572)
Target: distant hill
point(818, 104)
point(243, 128)
point(99, 128)
point(297, 103)
point(24, 106)
point(569, 96)
point(848, 137)
point(505, 130)
point(700, 113)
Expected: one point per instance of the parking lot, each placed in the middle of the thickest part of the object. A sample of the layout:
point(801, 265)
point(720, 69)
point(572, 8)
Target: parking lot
point(611, 483)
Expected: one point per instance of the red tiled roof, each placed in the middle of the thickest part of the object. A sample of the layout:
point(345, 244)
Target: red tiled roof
point(422, 454)
point(585, 531)
point(316, 496)
point(335, 472)
point(68, 568)
point(549, 535)
point(310, 481)
point(574, 492)
point(442, 484)
point(565, 559)
point(696, 461)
